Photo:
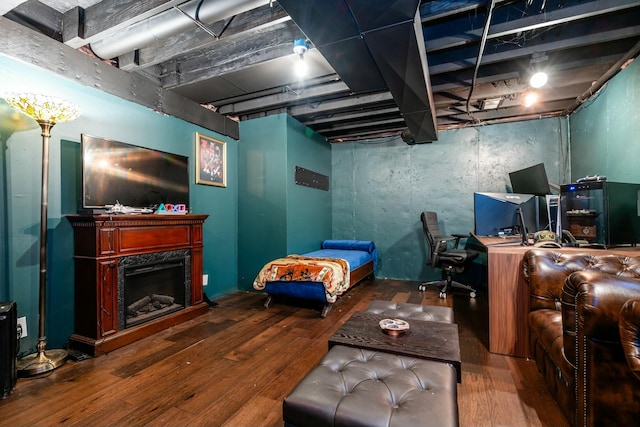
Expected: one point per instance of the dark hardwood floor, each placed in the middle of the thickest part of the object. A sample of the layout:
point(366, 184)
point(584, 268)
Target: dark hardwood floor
point(234, 365)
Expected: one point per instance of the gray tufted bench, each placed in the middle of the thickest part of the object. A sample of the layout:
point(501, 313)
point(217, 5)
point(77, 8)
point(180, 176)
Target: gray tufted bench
point(357, 387)
point(432, 313)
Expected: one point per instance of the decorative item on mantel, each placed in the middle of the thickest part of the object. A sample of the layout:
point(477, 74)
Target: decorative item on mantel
point(47, 111)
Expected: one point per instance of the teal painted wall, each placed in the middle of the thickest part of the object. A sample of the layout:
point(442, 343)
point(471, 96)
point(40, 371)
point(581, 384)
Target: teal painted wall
point(276, 216)
point(604, 130)
point(262, 195)
point(105, 116)
point(308, 209)
point(380, 187)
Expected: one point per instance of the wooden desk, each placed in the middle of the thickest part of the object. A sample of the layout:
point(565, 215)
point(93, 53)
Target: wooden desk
point(509, 293)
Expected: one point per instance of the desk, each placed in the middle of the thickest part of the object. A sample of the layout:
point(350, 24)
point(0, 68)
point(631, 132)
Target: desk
point(509, 293)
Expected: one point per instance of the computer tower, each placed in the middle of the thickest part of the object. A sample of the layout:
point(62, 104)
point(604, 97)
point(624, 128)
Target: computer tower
point(8, 347)
point(603, 213)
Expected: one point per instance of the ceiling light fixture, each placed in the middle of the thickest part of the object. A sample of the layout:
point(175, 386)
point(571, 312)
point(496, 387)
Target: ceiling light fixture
point(530, 98)
point(300, 47)
point(538, 65)
point(538, 79)
point(490, 103)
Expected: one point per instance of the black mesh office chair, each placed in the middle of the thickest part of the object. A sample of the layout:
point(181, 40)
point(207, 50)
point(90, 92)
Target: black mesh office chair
point(451, 261)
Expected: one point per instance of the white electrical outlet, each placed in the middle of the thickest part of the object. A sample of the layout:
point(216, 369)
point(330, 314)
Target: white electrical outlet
point(22, 326)
point(205, 279)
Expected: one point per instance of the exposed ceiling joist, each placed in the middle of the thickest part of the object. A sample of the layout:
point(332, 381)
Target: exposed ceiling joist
point(237, 57)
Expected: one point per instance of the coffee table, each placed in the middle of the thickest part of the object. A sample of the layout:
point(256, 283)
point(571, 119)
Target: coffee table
point(426, 340)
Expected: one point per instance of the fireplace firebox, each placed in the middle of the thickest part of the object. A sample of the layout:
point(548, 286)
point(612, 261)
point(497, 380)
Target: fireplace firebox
point(134, 275)
point(152, 285)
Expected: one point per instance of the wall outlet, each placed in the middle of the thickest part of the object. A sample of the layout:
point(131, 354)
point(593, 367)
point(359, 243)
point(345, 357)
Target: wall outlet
point(22, 327)
point(205, 279)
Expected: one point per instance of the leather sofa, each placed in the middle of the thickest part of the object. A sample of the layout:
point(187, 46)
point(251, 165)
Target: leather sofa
point(630, 333)
point(575, 324)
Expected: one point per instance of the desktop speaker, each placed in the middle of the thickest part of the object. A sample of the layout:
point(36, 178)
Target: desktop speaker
point(8, 347)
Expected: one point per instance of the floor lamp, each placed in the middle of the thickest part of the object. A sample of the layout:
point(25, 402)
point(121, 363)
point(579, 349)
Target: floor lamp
point(47, 111)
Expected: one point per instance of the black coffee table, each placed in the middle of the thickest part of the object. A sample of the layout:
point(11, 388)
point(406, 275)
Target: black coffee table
point(426, 340)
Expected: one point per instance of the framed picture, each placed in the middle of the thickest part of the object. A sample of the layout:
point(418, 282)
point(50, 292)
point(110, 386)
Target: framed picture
point(211, 161)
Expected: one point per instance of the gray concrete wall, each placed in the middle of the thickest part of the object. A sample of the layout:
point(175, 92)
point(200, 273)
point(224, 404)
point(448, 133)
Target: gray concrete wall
point(381, 186)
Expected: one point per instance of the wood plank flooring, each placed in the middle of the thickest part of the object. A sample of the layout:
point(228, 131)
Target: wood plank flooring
point(234, 365)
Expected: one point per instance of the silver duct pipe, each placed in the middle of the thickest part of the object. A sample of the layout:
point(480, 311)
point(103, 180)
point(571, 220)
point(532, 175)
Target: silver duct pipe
point(169, 23)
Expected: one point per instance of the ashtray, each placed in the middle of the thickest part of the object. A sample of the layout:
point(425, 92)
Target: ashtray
point(394, 327)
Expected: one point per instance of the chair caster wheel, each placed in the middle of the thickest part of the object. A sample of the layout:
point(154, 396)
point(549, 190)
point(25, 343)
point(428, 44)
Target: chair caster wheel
point(472, 294)
point(422, 288)
point(443, 295)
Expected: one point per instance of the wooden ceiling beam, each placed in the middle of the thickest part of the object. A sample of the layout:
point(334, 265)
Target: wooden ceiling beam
point(257, 47)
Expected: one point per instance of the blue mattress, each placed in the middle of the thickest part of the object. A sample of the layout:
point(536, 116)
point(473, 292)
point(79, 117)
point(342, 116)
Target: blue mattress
point(357, 252)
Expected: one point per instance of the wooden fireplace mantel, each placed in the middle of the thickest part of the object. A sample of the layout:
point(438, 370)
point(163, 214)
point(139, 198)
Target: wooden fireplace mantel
point(99, 242)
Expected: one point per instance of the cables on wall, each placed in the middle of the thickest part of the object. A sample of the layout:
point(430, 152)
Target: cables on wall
point(483, 41)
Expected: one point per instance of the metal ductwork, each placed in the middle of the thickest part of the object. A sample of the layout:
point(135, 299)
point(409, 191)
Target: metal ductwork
point(169, 23)
point(374, 45)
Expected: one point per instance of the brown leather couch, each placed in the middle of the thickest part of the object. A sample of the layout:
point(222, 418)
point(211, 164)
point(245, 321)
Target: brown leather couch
point(575, 303)
point(630, 333)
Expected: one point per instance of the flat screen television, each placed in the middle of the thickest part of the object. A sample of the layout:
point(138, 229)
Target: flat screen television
point(531, 180)
point(116, 172)
point(496, 213)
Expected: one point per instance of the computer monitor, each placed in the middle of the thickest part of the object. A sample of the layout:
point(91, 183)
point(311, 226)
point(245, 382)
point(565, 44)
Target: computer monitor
point(531, 180)
point(497, 213)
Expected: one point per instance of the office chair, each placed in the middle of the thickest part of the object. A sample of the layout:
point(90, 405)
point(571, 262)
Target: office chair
point(449, 260)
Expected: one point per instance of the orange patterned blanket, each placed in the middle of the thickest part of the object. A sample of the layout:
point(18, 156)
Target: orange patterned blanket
point(332, 272)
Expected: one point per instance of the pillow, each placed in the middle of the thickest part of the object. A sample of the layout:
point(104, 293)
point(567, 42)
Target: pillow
point(354, 245)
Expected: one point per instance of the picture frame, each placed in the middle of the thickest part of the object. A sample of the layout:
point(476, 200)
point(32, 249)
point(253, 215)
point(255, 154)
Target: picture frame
point(211, 161)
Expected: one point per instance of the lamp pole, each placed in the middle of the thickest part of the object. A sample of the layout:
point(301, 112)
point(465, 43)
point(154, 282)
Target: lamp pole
point(44, 360)
point(47, 112)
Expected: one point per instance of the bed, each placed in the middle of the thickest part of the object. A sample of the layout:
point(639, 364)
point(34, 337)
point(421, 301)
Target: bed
point(322, 275)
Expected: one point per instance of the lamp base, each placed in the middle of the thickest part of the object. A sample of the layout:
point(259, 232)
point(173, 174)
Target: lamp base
point(41, 362)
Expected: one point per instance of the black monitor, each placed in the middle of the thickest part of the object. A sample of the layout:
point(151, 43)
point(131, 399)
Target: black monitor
point(531, 180)
point(497, 213)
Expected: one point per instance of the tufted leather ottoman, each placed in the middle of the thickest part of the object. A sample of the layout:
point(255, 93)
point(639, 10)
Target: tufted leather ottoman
point(356, 387)
point(432, 313)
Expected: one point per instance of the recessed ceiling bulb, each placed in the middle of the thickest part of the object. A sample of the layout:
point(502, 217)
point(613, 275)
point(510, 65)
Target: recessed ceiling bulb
point(301, 68)
point(539, 79)
point(300, 47)
point(530, 99)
